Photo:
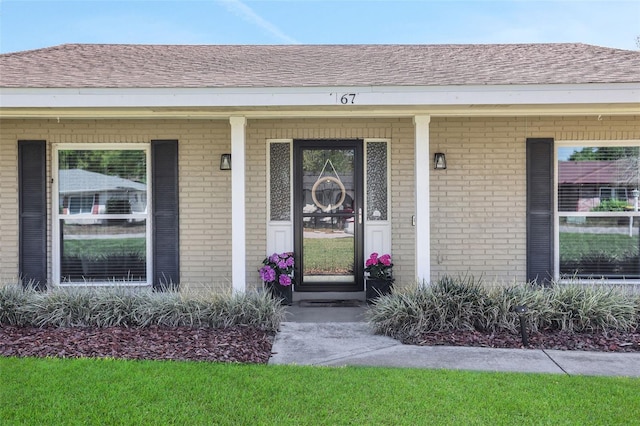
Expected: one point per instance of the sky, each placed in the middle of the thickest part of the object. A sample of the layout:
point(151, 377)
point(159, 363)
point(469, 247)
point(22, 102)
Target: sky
point(31, 24)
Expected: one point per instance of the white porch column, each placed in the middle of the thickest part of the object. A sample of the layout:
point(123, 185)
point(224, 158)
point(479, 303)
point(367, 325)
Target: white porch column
point(423, 203)
point(238, 223)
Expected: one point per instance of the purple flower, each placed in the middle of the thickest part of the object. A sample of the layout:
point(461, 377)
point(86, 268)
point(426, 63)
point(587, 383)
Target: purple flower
point(385, 259)
point(267, 273)
point(277, 269)
point(285, 280)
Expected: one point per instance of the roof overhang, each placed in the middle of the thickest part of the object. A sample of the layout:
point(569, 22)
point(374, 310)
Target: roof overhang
point(605, 99)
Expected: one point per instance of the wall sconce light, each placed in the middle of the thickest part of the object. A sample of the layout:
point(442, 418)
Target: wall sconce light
point(439, 161)
point(225, 162)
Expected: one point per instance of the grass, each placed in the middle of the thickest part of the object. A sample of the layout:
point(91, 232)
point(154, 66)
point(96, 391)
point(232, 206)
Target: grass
point(328, 255)
point(576, 246)
point(104, 248)
point(105, 391)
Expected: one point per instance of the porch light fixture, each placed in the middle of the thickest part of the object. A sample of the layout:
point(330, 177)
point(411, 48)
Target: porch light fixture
point(225, 162)
point(439, 161)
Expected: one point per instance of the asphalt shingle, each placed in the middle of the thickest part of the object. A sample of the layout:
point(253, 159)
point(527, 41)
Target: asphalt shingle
point(243, 66)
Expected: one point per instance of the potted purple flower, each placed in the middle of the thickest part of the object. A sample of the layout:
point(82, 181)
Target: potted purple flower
point(277, 275)
point(379, 280)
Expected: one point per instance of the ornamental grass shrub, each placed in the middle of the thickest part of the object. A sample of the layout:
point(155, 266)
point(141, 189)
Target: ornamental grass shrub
point(465, 303)
point(127, 307)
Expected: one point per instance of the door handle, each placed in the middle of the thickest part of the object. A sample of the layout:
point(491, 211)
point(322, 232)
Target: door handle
point(360, 216)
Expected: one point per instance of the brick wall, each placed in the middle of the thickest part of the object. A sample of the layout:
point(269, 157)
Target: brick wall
point(478, 222)
point(478, 204)
point(205, 199)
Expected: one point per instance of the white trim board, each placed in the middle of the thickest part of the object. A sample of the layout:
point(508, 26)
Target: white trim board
point(601, 93)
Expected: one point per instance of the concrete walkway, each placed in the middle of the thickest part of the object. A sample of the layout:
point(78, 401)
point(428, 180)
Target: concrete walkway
point(340, 337)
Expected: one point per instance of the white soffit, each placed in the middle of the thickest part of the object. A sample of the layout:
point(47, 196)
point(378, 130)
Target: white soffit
point(347, 97)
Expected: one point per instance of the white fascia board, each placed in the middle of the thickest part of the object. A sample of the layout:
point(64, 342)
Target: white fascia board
point(617, 93)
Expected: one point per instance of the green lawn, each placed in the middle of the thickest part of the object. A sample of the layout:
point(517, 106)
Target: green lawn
point(577, 246)
point(90, 391)
point(328, 255)
point(104, 248)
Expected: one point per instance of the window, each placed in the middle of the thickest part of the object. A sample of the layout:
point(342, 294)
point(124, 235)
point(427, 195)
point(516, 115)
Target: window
point(597, 220)
point(80, 204)
point(613, 194)
point(101, 221)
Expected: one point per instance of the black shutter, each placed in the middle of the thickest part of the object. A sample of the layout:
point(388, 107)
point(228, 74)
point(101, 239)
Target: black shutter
point(166, 256)
point(32, 212)
point(540, 210)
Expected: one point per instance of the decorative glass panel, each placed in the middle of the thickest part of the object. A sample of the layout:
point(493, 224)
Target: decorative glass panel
point(377, 181)
point(280, 182)
point(598, 214)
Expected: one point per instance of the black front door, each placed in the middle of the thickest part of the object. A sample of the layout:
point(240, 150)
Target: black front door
point(328, 208)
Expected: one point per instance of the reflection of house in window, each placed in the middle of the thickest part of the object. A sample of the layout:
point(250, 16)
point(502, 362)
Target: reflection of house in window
point(583, 185)
point(597, 236)
point(85, 192)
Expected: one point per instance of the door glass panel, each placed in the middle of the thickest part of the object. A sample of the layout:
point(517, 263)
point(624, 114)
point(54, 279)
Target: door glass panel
point(279, 182)
point(377, 181)
point(328, 217)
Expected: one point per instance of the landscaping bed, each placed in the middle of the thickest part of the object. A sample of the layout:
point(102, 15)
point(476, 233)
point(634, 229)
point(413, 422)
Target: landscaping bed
point(550, 339)
point(463, 311)
point(119, 322)
point(235, 344)
point(243, 344)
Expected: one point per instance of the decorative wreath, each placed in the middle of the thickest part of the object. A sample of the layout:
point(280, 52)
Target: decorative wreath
point(326, 179)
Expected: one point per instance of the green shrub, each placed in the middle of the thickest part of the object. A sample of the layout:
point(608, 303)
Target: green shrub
point(467, 304)
point(450, 304)
point(460, 304)
point(12, 299)
point(590, 308)
point(611, 206)
point(65, 307)
point(130, 307)
point(116, 307)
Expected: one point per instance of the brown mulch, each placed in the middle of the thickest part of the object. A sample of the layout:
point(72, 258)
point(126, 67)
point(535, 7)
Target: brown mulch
point(237, 344)
point(251, 345)
point(548, 339)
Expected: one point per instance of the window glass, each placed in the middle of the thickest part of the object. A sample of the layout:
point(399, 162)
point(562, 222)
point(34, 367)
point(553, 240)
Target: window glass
point(598, 216)
point(102, 215)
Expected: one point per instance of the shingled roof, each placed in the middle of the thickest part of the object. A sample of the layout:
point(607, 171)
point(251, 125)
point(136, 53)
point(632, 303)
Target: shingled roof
point(255, 66)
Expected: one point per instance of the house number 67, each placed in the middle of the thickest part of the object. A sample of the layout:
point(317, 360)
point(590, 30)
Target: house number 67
point(347, 98)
